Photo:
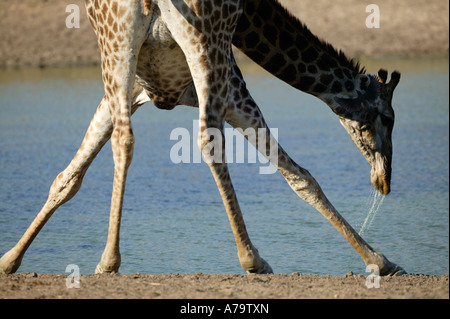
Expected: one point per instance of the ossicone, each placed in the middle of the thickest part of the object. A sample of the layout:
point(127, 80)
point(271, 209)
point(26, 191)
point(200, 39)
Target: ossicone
point(395, 78)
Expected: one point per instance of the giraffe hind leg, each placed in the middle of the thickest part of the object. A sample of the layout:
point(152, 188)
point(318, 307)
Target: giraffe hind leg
point(69, 181)
point(119, 63)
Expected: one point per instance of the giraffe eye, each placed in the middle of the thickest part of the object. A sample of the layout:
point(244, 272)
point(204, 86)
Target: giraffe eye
point(385, 120)
point(349, 86)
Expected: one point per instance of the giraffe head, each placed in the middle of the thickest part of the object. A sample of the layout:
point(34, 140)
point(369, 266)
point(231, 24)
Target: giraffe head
point(368, 117)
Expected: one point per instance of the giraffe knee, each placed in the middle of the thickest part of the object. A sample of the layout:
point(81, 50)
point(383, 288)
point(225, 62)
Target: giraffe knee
point(122, 143)
point(64, 187)
point(211, 144)
point(124, 136)
point(127, 140)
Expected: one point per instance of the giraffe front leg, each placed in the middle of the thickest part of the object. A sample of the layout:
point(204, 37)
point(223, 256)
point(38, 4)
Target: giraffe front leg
point(307, 188)
point(211, 143)
point(208, 53)
point(246, 114)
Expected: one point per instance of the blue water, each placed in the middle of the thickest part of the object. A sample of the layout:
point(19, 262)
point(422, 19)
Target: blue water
point(174, 220)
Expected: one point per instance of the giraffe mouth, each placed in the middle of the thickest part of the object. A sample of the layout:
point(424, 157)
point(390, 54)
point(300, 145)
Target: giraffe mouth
point(380, 182)
point(380, 175)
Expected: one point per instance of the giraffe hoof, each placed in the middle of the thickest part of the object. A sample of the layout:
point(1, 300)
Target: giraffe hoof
point(392, 270)
point(397, 271)
point(386, 267)
point(263, 269)
point(105, 270)
point(9, 263)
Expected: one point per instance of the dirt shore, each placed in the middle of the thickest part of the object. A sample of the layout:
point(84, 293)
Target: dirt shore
point(222, 286)
point(34, 32)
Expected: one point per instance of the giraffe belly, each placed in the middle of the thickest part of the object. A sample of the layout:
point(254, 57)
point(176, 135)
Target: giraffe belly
point(162, 69)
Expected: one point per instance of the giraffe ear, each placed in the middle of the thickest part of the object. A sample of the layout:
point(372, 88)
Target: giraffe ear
point(388, 87)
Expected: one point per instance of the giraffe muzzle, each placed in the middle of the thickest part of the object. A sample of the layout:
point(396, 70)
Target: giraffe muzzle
point(380, 174)
point(381, 184)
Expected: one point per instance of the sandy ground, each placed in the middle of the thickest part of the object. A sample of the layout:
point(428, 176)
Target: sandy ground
point(34, 32)
point(222, 286)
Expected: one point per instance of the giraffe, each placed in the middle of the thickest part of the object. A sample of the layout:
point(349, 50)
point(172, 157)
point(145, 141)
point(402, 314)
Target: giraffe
point(179, 52)
point(285, 47)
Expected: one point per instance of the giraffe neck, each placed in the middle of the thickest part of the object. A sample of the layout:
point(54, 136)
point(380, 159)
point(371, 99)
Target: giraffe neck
point(284, 46)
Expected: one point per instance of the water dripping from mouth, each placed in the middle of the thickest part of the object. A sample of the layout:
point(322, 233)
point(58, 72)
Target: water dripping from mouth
point(375, 201)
